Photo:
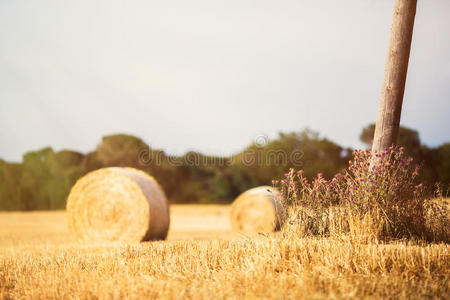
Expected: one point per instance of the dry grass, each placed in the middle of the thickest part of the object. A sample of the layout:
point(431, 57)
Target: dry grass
point(204, 260)
point(196, 222)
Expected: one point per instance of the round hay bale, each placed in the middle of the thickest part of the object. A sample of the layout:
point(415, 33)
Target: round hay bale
point(257, 210)
point(118, 205)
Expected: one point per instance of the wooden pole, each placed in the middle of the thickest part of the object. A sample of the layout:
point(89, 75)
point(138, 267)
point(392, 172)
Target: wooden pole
point(388, 120)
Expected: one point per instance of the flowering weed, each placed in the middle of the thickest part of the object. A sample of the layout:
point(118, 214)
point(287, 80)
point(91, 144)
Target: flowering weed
point(382, 202)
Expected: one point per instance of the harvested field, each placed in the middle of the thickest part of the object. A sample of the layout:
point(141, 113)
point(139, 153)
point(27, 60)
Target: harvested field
point(204, 259)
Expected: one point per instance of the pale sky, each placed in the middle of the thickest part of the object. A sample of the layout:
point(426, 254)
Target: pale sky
point(210, 75)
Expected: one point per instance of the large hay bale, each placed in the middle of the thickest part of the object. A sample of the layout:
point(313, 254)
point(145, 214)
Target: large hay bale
point(257, 210)
point(118, 205)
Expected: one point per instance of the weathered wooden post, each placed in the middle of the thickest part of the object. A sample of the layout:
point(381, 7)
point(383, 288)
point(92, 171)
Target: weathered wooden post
point(388, 120)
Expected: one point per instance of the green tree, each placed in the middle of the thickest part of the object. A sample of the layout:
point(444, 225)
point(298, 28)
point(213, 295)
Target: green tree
point(121, 150)
point(34, 182)
point(443, 167)
point(410, 140)
point(300, 150)
point(407, 137)
point(65, 168)
point(10, 189)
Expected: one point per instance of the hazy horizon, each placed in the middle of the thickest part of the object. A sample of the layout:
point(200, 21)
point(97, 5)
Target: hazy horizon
point(210, 76)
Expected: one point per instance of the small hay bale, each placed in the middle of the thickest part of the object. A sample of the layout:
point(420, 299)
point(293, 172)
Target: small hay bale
point(118, 205)
point(257, 210)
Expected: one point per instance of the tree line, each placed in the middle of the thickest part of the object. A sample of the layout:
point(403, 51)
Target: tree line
point(44, 177)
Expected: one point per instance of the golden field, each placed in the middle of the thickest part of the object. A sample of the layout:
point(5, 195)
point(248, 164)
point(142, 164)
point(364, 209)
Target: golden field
point(204, 259)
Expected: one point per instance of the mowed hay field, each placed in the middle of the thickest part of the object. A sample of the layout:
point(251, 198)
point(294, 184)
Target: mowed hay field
point(204, 259)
